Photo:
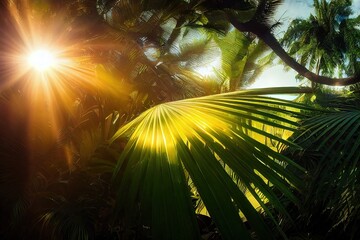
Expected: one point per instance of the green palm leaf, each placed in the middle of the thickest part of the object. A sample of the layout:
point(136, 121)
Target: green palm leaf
point(331, 143)
point(336, 137)
point(198, 137)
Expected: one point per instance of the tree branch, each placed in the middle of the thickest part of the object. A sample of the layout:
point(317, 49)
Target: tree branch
point(264, 33)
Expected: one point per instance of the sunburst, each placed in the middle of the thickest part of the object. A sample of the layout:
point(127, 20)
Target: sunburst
point(47, 67)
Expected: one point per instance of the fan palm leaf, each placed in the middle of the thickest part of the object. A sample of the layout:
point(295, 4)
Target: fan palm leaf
point(199, 137)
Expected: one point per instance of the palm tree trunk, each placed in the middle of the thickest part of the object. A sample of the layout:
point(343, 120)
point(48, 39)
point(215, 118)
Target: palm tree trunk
point(318, 64)
point(263, 32)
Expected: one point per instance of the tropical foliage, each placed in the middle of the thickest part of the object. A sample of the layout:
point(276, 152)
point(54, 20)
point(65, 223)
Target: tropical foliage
point(133, 138)
point(330, 141)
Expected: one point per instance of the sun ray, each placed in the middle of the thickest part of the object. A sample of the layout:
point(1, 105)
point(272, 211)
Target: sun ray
point(47, 67)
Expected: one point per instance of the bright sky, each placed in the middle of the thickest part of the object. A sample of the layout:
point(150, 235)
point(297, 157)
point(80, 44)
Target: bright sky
point(276, 76)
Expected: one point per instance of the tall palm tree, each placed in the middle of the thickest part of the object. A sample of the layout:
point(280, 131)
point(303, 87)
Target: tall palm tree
point(261, 26)
point(325, 41)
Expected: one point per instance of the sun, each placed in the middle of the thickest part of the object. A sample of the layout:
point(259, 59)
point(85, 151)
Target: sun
point(41, 60)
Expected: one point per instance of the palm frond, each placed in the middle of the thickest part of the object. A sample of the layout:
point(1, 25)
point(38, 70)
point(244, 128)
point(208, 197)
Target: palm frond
point(265, 11)
point(336, 132)
point(334, 137)
point(199, 137)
